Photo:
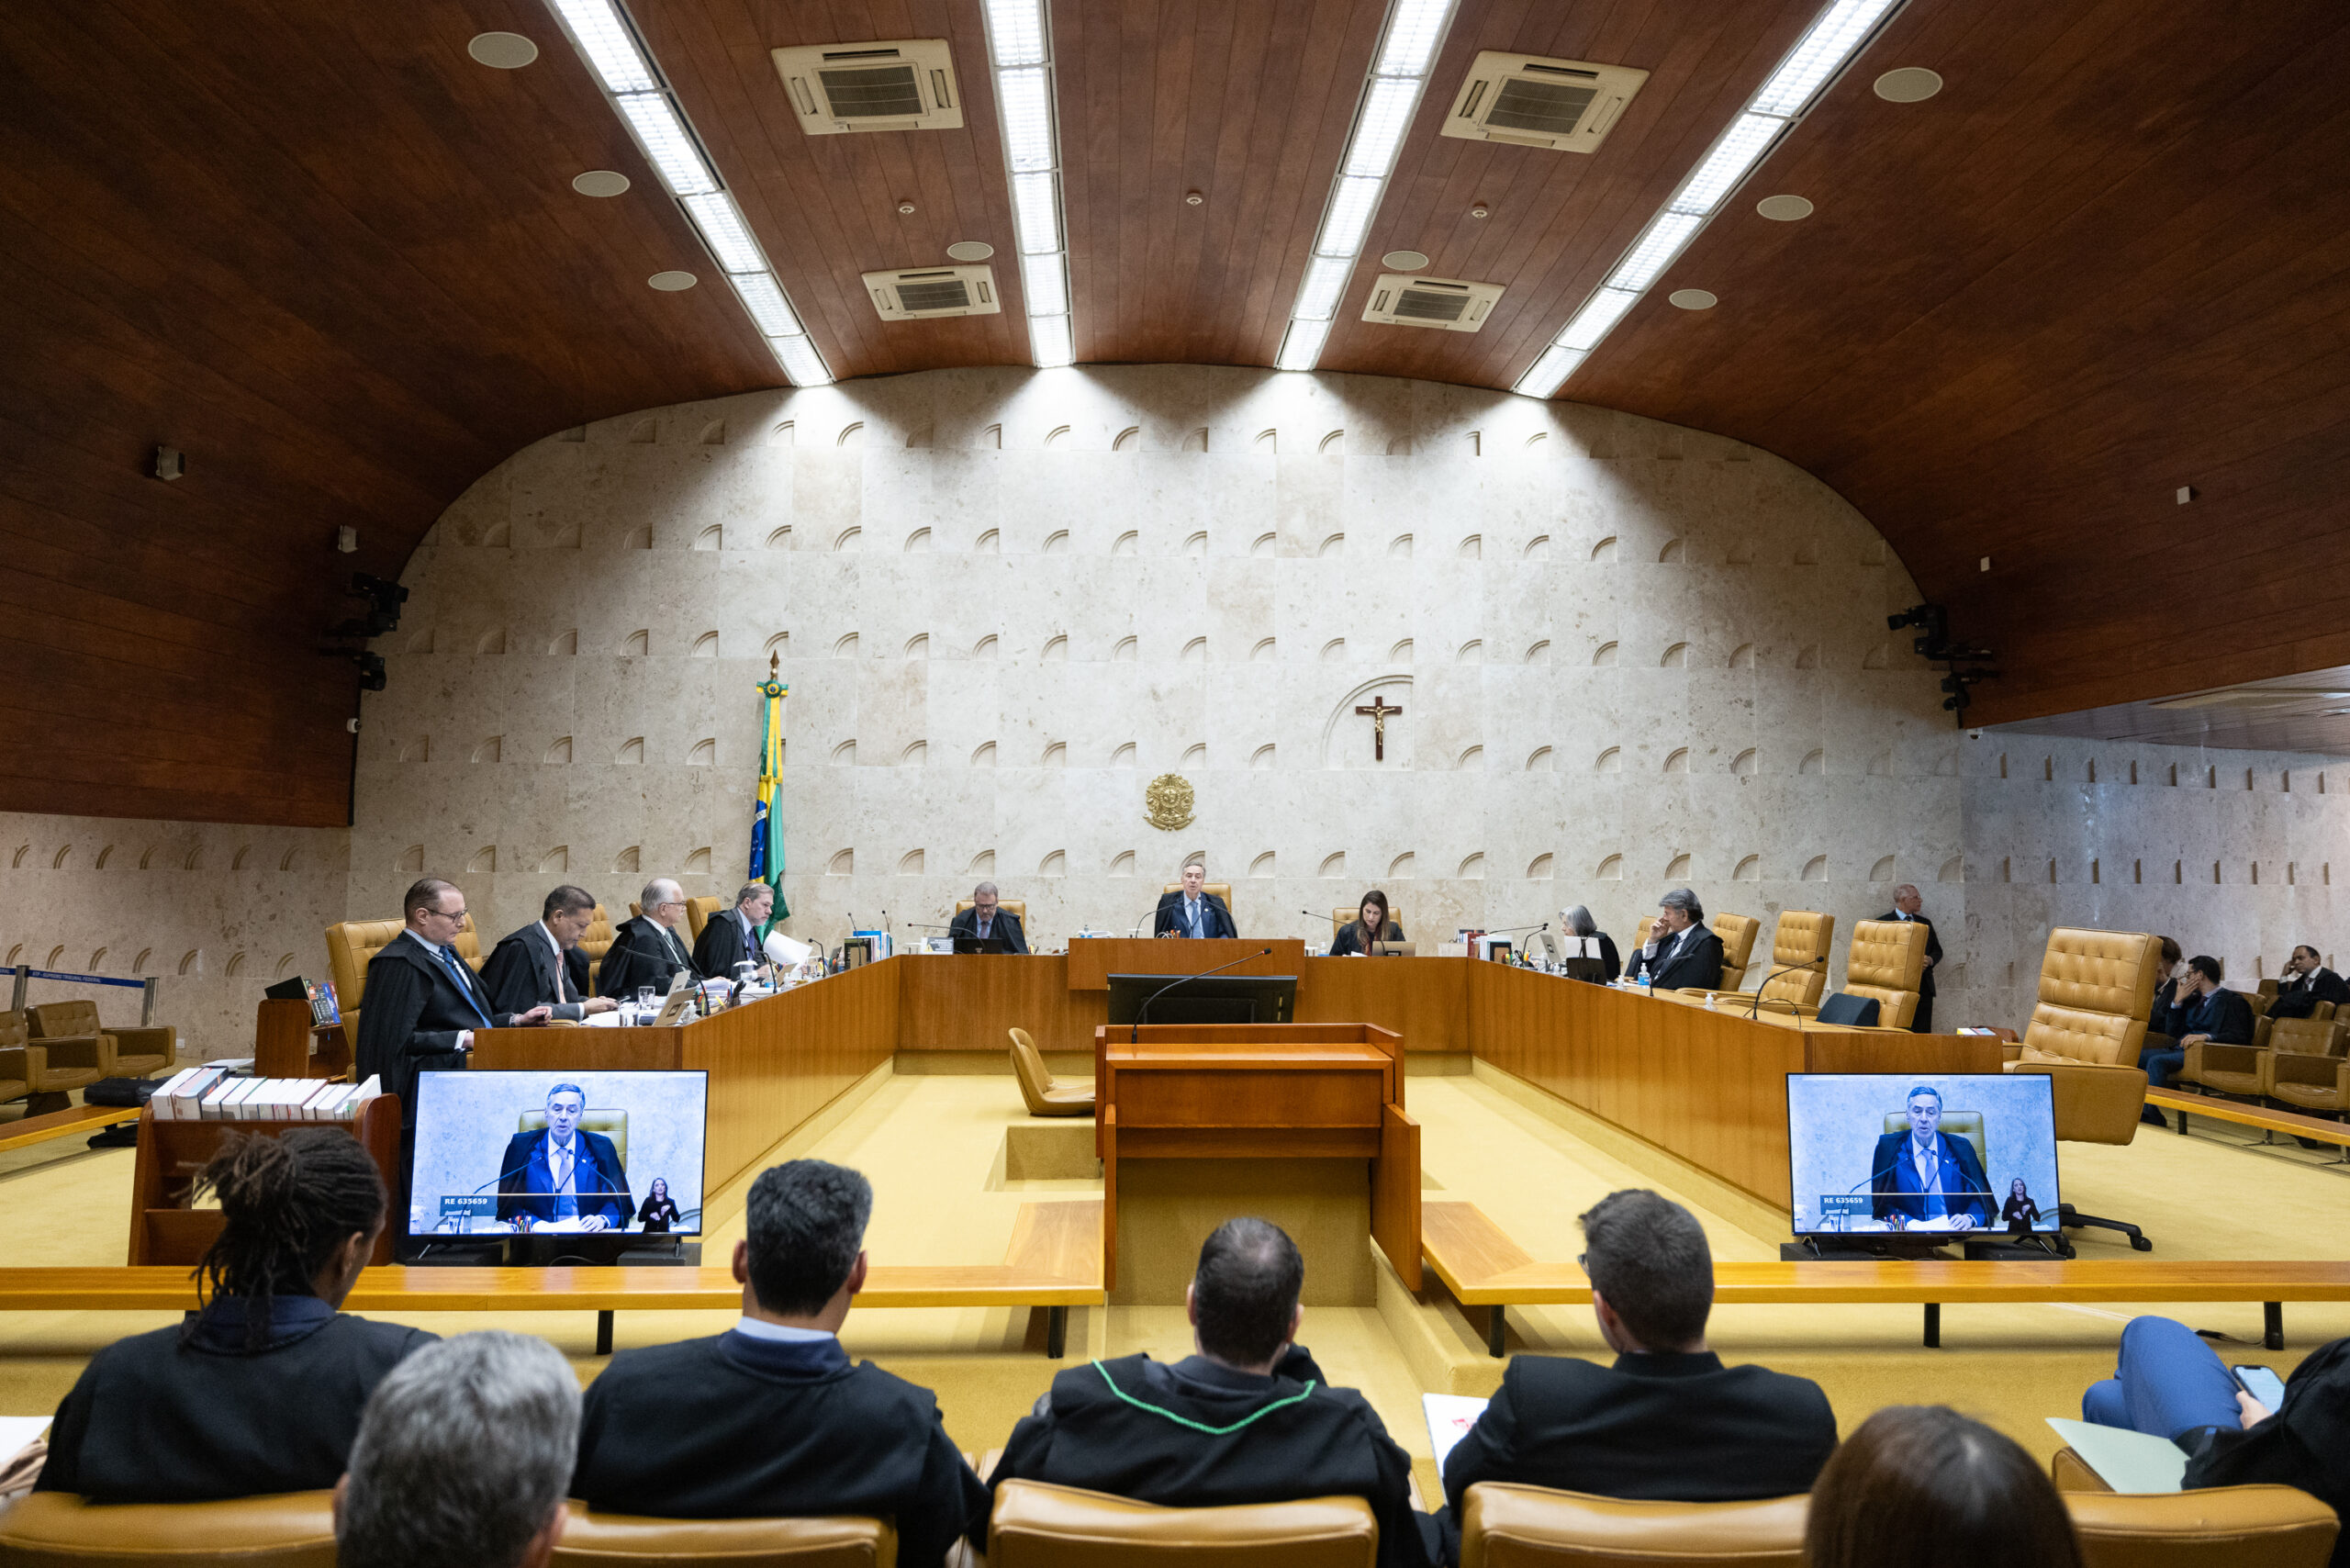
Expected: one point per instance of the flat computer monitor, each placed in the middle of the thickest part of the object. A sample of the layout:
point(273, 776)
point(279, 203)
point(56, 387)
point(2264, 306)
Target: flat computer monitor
point(558, 1153)
point(981, 945)
point(1210, 999)
point(1941, 1154)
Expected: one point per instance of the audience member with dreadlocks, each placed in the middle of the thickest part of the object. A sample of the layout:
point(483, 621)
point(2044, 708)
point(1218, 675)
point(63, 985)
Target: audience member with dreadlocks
point(261, 1389)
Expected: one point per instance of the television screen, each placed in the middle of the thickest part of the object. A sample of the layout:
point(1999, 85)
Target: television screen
point(512, 1153)
point(1932, 1153)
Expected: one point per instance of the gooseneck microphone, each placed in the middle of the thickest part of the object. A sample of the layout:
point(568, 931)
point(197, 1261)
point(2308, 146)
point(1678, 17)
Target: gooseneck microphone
point(1134, 1033)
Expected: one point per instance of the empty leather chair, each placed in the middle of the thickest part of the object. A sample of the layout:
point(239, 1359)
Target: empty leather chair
point(596, 944)
point(2096, 989)
point(50, 1069)
point(352, 945)
point(1036, 1524)
point(2243, 1069)
point(2306, 1069)
point(56, 1530)
point(2217, 1527)
point(1045, 1095)
point(128, 1052)
point(625, 1540)
point(1738, 932)
point(1521, 1526)
point(1798, 972)
point(1887, 961)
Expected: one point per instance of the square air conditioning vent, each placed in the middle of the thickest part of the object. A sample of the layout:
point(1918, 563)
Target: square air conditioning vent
point(1568, 105)
point(921, 292)
point(1398, 299)
point(908, 84)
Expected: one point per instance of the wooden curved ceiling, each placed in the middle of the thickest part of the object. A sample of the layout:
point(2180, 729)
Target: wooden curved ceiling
point(338, 263)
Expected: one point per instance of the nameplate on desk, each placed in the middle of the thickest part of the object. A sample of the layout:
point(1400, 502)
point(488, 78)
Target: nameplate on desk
point(468, 1204)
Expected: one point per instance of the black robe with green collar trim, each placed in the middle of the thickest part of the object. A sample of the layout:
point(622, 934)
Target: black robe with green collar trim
point(1197, 1434)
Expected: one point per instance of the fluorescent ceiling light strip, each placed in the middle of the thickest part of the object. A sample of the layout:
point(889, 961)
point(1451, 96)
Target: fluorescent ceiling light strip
point(1351, 205)
point(608, 44)
point(1413, 34)
point(763, 297)
point(1049, 340)
point(1550, 372)
point(1819, 55)
point(1379, 131)
point(1665, 241)
point(1027, 107)
point(1046, 283)
point(670, 148)
point(1035, 205)
point(1017, 32)
point(1834, 37)
point(723, 229)
point(1739, 148)
point(800, 361)
point(1326, 282)
point(1301, 345)
point(1601, 311)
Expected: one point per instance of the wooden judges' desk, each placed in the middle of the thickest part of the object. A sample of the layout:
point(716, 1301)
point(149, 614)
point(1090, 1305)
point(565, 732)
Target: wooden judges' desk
point(1270, 1097)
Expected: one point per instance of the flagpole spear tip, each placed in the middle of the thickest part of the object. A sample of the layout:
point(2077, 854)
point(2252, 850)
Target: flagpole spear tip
point(775, 664)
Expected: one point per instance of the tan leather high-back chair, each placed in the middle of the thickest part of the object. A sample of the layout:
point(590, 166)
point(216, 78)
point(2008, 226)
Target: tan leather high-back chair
point(1967, 1125)
point(1040, 1526)
point(46, 1071)
point(2096, 989)
point(353, 944)
point(1016, 908)
point(57, 1530)
point(1045, 1095)
point(1738, 932)
point(1803, 937)
point(626, 1540)
point(1523, 1527)
point(2243, 1069)
point(128, 1052)
point(2309, 1071)
point(1887, 962)
point(2214, 1527)
point(697, 913)
point(596, 944)
point(1220, 889)
point(1342, 918)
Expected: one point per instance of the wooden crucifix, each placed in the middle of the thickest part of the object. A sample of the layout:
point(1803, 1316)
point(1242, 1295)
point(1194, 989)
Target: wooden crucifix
point(1377, 713)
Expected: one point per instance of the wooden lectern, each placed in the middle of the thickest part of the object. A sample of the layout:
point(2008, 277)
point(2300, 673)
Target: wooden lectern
point(1261, 1092)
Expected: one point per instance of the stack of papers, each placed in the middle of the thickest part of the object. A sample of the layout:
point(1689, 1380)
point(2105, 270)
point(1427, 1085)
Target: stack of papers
point(2124, 1459)
point(1450, 1418)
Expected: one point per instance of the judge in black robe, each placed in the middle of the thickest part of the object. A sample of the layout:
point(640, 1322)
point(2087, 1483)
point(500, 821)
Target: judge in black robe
point(523, 972)
point(417, 1009)
point(732, 936)
point(644, 952)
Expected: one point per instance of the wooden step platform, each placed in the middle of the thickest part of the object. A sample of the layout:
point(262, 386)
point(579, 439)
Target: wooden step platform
point(63, 1123)
point(1053, 1263)
point(1483, 1267)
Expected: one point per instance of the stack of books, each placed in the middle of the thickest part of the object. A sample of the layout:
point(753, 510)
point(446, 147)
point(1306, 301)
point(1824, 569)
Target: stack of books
point(216, 1093)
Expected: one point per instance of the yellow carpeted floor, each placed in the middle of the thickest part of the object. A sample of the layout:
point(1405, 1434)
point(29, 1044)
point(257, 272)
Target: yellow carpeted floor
point(933, 1147)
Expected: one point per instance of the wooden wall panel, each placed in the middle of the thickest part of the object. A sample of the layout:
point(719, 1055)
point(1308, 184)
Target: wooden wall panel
point(971, 1001)
point(1424, 1000)
point(776, 1063)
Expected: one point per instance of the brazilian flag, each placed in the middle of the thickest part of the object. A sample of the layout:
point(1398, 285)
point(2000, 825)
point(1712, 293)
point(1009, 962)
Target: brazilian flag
point(767, 828)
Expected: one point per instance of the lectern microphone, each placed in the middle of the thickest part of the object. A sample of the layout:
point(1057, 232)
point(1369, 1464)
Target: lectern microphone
point(1134, 1032)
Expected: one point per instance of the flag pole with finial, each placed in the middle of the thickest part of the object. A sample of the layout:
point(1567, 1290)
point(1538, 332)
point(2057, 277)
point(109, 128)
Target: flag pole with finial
point(767, 828)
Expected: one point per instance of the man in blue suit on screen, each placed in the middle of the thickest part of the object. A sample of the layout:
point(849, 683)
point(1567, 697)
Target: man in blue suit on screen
point(1925, 1174)
point(565, 1172)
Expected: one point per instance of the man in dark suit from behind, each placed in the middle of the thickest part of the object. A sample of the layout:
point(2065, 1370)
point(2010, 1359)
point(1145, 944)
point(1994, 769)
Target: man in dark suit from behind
point(1907, 902)
point(422, 1002)
point(732, 937)
point(987, 917)
point(1247, 1418)
point(543, 965)
point(772, 1419)
point(1681, 950)
point(563, 1171)
point(1192, 911)
point(2307, 982)
point(1667, 1422)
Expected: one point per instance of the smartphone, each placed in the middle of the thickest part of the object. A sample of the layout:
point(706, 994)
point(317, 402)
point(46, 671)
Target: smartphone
point(2262, 1384)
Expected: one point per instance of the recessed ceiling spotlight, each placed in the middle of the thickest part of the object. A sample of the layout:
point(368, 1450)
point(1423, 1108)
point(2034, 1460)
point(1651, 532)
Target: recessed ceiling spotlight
point(1405, 261)
point(672, 283)
point(1193, 198)
point(1692, 299)
point(1784, 209)
point(1911, 85)
point(1480, 210)
point(599, 182)
point(905, 209)
point(502, 51)
point(970, 250)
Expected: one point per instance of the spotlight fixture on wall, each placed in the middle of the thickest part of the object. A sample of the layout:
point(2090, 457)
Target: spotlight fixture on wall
point(384, 601)
point(371, 673)
point(1935, 645)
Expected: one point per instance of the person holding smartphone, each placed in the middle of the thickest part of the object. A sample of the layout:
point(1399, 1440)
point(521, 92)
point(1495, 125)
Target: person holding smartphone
point(2169, 1382)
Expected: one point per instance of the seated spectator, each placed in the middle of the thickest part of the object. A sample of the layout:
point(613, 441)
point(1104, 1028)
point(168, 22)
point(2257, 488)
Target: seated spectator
point(2199, 1009)
point(261, 1390)
point(2307, 981)
point(772, 1418)
point(462, 1458)
point(1666, 1422)
point(1921, 1486)
point(1249, 1418)
point(2170, 1383)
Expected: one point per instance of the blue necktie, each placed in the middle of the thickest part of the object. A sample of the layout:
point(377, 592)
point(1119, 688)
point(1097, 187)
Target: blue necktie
point(449, 961)
point(1193, 905)
point(566, 1204)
